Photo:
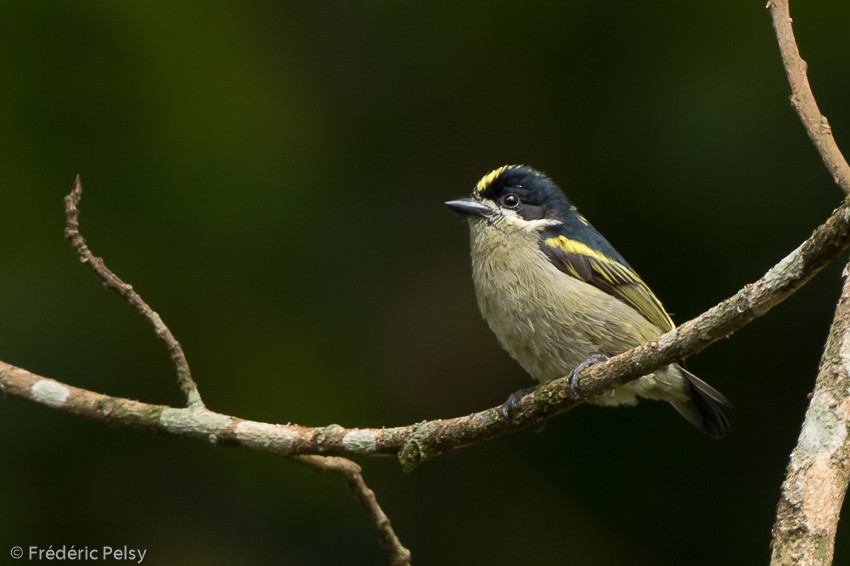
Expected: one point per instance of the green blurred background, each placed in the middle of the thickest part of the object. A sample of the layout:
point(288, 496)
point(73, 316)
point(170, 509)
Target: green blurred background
point(270, 176)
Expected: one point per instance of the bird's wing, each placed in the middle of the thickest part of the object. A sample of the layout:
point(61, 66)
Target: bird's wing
point(607, 274)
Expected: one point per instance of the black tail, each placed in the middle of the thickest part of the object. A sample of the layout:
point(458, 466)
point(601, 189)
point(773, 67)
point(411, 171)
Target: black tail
point(702, 410)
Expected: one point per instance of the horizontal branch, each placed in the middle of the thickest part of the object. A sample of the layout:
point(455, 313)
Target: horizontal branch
point(416, 443)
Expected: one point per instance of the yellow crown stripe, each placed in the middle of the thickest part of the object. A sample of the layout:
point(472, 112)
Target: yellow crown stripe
point(488, 179)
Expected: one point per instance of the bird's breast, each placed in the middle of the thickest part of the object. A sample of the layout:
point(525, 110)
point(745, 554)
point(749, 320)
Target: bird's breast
point(546, 320)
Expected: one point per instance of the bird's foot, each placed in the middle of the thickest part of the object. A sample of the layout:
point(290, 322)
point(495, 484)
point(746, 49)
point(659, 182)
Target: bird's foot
point(510, 406)
point(592, 360)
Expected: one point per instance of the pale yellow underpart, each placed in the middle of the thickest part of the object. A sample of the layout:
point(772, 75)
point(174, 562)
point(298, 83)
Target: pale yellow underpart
point(550, 322)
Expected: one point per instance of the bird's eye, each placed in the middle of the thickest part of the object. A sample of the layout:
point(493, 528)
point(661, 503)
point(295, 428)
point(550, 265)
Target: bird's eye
point(510, 200)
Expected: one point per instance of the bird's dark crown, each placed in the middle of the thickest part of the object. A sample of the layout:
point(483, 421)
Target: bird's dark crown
point(540, 197)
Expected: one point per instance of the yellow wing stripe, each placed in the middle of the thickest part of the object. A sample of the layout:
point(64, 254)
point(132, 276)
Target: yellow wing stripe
point(624, 283)
point(576, 247)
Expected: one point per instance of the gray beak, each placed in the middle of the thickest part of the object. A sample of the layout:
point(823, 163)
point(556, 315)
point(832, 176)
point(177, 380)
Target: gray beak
point(469, 207)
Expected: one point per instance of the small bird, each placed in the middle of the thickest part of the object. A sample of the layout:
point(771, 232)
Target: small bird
point(559, 297)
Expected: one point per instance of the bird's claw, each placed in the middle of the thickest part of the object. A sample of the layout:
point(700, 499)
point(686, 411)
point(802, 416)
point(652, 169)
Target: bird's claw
point(594, 359)
point(509, 407)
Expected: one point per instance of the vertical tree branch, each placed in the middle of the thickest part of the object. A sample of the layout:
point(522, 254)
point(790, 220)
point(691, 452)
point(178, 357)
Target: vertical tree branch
point(817, 476)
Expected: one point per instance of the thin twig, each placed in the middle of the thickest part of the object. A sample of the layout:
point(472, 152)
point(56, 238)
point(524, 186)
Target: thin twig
point(399, 555)
point(112, 281)
point(802, 97)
